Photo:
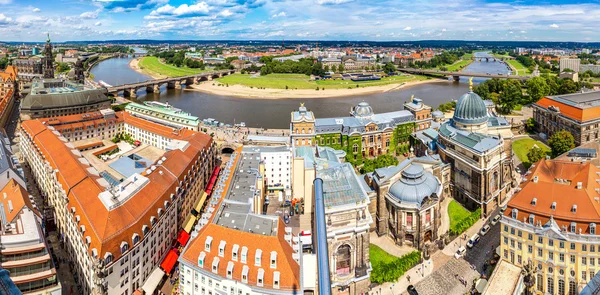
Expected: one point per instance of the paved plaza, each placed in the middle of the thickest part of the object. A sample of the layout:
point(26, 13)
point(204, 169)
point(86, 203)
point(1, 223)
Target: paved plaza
point(444, 281)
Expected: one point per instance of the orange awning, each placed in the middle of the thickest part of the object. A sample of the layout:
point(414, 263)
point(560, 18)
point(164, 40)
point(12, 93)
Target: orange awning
point(169, 261)
point(183, 237)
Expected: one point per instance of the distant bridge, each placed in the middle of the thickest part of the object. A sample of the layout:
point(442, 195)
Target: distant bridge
point(457, 75)
point(129, 90)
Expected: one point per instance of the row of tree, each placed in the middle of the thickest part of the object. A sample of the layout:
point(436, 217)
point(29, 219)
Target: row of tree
point(446, 58)
point(307, 66)
point(507, 94)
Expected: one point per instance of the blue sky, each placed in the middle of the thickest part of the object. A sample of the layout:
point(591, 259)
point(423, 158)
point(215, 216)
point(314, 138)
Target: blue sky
point(385, 20)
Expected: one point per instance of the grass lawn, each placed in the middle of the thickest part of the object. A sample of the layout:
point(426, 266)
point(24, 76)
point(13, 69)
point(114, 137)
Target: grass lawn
point(378, 256)
point(521, 69)
point(460, 64)
point(456, 212)
point(301, 81)
point(152, 64)
point(522, 146)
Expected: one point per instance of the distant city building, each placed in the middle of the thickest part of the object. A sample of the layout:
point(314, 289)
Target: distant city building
point(593, 68)
point(48, 61)
point(29, 69)
point(569, 75)
point(118, 207)
point(296, 57)
point(552, 222)
point(8, 91)
point(164, 113)
point(569, 63)
point(478, 147)
point(577, 113)
point(408, 200)
point(59, 97)
point(363, 134)
point(278, 167)
point(349, 62)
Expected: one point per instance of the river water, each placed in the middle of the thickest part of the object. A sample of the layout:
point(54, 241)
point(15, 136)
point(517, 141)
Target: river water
point(275, 113)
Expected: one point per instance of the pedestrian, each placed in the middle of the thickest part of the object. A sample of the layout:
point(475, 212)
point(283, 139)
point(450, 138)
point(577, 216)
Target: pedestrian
point(408, 278)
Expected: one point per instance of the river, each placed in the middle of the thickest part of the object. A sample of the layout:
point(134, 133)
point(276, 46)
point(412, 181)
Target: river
point(275, 113)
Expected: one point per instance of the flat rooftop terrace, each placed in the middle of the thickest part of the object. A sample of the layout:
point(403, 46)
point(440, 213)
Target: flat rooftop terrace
point(581, 100)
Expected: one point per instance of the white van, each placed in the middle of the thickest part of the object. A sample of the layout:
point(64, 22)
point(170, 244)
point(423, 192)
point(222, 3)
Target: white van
point(473, 241)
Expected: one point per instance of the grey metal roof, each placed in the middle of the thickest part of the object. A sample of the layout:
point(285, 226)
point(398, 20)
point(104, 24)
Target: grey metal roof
point(414, 186)
point(351, 125)
point(302, 114)
point(45, 98)
point(470, 109)
point(579, 100)
point(437, 114)
point(475, 141)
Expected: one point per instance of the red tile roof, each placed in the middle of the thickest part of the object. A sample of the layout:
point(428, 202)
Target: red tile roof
point(18, 197)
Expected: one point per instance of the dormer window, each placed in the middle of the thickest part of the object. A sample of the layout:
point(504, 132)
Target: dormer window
point(215, 265)
point(135, 239)
point(531, 218)
point(273, 259)
point(244, 256)
point(160, 211)
point(94, 253)
point(152, 220)
point(592, 228)
point(260, 277)
point(108, 258)
point(574, 209)
point(201, 258)
point(257, 257)
point(88, 240)
point(515, 212)
point(82, 229)
point(124, 247)
point(245, 269)
point(145, 229)
point(276, 278)
point(222, 245)
point(208, 243)
point(234, 252)
point(77, 218)
point(573, 227)
point(230, 269)
point(553, 206)
point(534, 201)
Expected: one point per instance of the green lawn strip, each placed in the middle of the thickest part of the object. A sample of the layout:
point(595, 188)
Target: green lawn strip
point(521, 69)
point(459, 65)
point(153, 64)
point(378, 255)
point(301, 81)
point(522, 146)
point(456, 212)
point(388, 268)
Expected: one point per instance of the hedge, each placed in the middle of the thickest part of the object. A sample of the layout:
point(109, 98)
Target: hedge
point(390, 272)
point(467, 222)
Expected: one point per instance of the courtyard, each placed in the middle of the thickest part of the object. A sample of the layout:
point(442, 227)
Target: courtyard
point(523, 145)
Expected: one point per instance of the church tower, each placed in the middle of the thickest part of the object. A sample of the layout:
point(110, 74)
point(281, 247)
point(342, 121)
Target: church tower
point(48, 60)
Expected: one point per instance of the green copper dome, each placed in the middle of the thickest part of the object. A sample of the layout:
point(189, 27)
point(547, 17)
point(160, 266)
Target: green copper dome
point(470, 109)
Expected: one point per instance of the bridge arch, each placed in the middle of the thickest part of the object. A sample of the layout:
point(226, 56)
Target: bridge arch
point(227, 147)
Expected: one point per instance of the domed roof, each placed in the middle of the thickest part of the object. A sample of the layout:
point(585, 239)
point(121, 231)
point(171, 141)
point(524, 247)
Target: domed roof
point(470, 109)
point(363, 109)
point(437, 114)
point(414, 186)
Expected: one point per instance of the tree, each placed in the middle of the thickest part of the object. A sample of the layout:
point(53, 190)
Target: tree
point(567, 86)
point(511, 96)
point(535, 154)
point(530, 125)
point(341, 68)
point(326, 68)
point(3, 63)
point(561, 142)
point(389, 67)
point(537, 88)
point(63, 67)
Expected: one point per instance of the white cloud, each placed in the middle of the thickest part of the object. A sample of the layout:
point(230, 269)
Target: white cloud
point(555, 26)
point(407, 28)
point(4, 19)
point(97, 24)
point(444, 29)
point(89, 15)
point(36, 10)
point(200, 8)
point(281, 14)
point(5, 2)
point(332, 2)
point(523, 32)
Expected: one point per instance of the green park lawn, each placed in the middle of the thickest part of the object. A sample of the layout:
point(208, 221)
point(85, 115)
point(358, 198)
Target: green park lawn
point(460, 64)
point(522, 146)
point(301, 81)
point(152, 64)
point(378, 256)
point(521, 69)
point(456, 212)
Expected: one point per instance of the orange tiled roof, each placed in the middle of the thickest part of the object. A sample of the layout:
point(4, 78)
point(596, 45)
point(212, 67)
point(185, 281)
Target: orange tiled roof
point(18, 197)
point(287, 267)
point(9, 73)
point(548, 190)
point(579, 114)
point(108, 228)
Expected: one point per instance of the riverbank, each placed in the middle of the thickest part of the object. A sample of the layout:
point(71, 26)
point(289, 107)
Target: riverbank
point(134, 64)
point(270, 93)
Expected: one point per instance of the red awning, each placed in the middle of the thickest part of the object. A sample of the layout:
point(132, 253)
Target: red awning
point(169, 262)
point(183, 237)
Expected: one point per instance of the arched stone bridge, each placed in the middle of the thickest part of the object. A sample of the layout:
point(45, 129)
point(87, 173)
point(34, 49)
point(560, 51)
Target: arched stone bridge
point(129, 90)
point(457, 75)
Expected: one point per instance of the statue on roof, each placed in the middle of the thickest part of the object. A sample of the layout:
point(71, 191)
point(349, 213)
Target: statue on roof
point(471, 84)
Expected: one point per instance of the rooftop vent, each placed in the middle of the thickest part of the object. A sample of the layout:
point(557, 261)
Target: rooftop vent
point(535, 179)
point(579, 185)
point(534, 201)
point(553, 206)
point(574, 209)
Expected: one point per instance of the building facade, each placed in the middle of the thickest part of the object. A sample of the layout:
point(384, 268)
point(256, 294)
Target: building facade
point(421, 111)
point(408, 200)
point(363, 134)
point(58, 97)
point(551, 221)
point(118, 217)
point(577, 113)
point(569, 63)
point(478, 147)
point(8, 92)
point(277, 161)
point(29, 69)
point(48, 61)
point(350, 62)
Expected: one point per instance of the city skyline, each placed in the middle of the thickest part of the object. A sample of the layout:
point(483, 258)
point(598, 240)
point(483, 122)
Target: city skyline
point(84, 20)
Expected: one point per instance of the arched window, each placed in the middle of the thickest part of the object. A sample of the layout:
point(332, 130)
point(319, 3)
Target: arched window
point(550, 285)
point(135, 239)
point(145, 229)
point(494, 182)
point(343, 257)
point(124, 247)
point(561, 287)
point(355, 148)
point(540, 282)
point(108, 258)
point(387, 142)
point(572, 288)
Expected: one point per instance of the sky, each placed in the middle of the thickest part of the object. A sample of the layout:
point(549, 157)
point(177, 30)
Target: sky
point(351, 20)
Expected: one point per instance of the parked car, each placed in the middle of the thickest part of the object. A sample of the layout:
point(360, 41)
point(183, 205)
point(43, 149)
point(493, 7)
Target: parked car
point(495, 219)
point(286, 218)
point(460, 252)
point(411, 290)
point(473, 241)
point(484, 230)
point(502, 209)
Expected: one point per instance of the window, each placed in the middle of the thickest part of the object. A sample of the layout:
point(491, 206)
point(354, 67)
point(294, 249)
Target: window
point(201, 259)
point(540, 282)
point(244, 254)
point(136, 238)
point(583, 275)
point(592, 228)
point(584, 260)
point(592, 248)
point(215, 265)
point(529, 249)
point(540, 240)
point(276, 277)
point(572, 246)
point(124, 247)
point(551, 242)
point(592, 261)
point(512, 230)
point(515, 213)
point(409, 219)
point(573, 227)
point(572, 258)
point(583, 247)
point(355, 148)
point(561, 257)
point(257, 257)
point(260, 277)
point(561, 287)
point(230, 269)
point(550, 285)
point(506, 228)
point(505, 240)
point(550, 255)
point(234, 252)
point(208, 243)
point(273, 259)
point(540, 252)
point(553, 206)
point(342, 265)
point(561, 244)
point(519, 246)
point(245, 274)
